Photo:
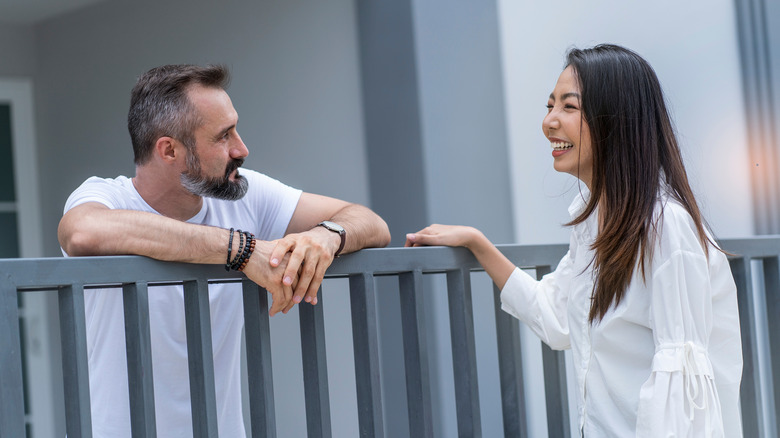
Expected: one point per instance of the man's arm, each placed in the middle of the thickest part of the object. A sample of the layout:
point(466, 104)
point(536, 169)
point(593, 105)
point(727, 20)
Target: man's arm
point(312, 248)
point(92, 229)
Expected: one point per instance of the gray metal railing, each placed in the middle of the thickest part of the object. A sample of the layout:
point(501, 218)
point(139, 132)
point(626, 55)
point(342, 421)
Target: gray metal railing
point(755, 258)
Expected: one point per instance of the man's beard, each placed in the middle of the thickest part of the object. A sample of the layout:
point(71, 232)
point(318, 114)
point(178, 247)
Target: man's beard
point(219, 187)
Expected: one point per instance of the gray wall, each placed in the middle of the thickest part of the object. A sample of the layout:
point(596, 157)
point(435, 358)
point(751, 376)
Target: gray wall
point(17, 50)
point(295, 86)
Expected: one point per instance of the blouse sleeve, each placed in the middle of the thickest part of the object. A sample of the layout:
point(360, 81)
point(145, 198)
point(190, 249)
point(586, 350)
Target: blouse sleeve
point(680, 398)
point(540, 304)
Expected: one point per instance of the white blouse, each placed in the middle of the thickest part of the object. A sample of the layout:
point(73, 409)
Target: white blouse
point(667, 361)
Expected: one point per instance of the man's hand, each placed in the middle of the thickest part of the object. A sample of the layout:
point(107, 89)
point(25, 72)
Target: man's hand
point(310, 254)
point(261, 272)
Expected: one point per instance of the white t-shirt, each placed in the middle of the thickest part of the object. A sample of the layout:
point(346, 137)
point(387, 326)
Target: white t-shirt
point(667, 361)
point(265, 210)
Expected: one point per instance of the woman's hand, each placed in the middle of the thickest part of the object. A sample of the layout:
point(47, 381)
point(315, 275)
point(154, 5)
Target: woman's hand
point(496, 265)
point(444, 235)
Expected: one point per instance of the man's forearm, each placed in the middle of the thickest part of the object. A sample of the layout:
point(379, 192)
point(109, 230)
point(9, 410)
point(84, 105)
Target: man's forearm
point(96, 230)
point(365, 229)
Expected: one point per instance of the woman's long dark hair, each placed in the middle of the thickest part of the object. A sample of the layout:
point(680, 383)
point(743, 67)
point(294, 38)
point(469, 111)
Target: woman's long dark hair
point(635, 158)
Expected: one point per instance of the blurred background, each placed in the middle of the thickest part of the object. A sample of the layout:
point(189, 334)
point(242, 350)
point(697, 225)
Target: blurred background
point(425, 110)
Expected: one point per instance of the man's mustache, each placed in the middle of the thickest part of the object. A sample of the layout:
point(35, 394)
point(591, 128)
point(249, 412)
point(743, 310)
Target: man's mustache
point(233, 165)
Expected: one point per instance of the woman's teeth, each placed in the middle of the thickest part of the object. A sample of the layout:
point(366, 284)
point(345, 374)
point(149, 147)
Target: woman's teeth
point(559, 146)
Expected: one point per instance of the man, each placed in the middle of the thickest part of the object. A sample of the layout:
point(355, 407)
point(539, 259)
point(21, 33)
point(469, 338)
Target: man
point(186, 203)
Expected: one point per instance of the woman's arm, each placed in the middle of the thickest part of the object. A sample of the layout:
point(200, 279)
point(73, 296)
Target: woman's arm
point(498, 267)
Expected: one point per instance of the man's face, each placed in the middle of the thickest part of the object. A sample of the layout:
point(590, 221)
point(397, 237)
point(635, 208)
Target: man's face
point(212, 167)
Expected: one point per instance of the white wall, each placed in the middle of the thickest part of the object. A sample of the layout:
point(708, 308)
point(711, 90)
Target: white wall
point(694, 49)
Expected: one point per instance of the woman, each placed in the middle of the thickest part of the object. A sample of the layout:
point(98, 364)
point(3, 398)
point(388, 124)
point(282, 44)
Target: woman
point(644, 297)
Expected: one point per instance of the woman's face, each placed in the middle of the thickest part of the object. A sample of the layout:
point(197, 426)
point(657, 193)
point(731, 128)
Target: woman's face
point(566, 129)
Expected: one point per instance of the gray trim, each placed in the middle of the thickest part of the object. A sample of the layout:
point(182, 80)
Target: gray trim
point(11, 406)
point(201, 359)
point(315, 369)
point(140, 378)
point(75, 368)
point(418, 384)
point(464, 356)
point(366, 343)
point(258, 359)
point(510, 366)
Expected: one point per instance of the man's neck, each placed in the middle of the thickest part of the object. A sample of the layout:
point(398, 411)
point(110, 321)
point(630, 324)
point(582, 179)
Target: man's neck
point(165, 194)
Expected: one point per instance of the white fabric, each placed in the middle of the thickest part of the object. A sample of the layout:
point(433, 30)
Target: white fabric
point(666, 362)
point(266, 211)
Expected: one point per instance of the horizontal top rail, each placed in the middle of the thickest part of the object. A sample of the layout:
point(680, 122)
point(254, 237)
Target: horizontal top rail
point(42, 273)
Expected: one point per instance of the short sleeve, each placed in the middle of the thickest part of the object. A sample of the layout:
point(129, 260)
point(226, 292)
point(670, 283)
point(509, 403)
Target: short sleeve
point(542, 304)
point(680, 397)
point(107, 191)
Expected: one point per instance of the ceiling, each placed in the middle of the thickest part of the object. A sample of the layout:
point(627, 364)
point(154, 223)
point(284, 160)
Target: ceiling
point(33, 11)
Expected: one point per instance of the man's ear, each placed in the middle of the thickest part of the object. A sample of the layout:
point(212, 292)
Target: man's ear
point(168, 149)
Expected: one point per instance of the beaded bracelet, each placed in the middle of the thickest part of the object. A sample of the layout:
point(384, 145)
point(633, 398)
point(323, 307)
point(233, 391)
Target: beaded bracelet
point(230, 249)
point(247, 246)
point(251, 249)
point(232, 263)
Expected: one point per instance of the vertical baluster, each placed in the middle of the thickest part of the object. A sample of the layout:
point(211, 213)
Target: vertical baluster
point(772, 288)
point(258, 360)
point(464, 356)
point(418, 385)
point(510, 367)
point(75, 368)
point(366, 345)
point(139, 360)
point(315, 369)
point(750, 393)
point(12, 400)
point(555, 389)
point(200, 358)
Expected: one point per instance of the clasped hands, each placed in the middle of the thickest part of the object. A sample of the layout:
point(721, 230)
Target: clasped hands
point(292, 268)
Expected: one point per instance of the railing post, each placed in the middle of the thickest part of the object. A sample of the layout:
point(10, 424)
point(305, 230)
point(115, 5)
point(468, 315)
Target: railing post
point(12, 401)
point(201, 358)
point(75, 367)
point(258, 361)
point(510, 367)
point(772, 287)
point(139, 360)
point(464, 355)
point(555, 389)
point(750, 390)
point(365, 340)
point(315, 369)
point(418, 385)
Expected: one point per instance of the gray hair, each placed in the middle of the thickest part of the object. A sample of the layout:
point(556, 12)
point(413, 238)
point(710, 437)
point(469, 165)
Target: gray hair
point(159, 105)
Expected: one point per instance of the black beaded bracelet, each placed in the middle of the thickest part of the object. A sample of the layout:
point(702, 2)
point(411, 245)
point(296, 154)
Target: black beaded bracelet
point(230, 249)
point(233, 263)
point(248, 247)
